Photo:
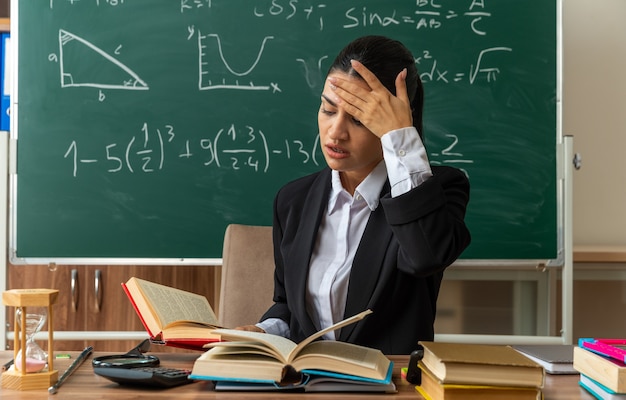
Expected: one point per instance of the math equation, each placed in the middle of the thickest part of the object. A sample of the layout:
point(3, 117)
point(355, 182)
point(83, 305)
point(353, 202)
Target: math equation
point(211, 47)
point(239, 149)
point(235, 148)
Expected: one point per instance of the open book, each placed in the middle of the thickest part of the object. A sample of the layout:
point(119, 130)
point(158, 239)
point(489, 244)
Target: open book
point(263, 358)
point(172, 316)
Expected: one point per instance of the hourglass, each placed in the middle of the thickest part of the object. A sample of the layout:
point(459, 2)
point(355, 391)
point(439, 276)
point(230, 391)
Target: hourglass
point(35, 320)
point(33, 311)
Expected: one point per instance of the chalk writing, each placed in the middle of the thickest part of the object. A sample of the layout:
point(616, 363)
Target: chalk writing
point(215, 71)
point(233, 148)
point(186, 5)
point(247, 148)
point(450, 155)
point(238, 149)
point(290, 9)
point(120, 76)
point(426, 15)
point(432, 72)
point(112, 3)
point(215, 63)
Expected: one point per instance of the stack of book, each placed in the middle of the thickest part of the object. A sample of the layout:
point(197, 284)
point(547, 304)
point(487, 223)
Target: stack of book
point(602, 367)
point(462, 371)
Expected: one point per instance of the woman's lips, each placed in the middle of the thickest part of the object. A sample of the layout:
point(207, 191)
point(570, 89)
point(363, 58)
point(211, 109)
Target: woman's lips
point(336, 151)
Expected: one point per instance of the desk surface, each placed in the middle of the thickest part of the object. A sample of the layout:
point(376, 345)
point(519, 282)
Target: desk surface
point(85, 384)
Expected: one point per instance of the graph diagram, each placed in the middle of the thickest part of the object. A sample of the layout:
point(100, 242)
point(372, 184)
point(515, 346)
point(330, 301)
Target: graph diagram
point(215, 71)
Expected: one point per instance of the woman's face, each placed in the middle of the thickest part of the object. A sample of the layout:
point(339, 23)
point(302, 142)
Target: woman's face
point(348, 146)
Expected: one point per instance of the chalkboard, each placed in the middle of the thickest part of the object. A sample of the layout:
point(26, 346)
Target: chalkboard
point(144, 127)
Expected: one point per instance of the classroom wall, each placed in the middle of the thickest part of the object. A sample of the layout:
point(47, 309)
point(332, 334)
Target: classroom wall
point(594, 112)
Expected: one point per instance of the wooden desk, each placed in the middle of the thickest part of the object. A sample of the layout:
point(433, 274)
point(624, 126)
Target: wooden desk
point(84, 384)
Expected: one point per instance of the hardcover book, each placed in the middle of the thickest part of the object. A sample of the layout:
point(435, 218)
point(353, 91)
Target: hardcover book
point(317, 381)
point(598, 390)
point(614, 348)
point(481, 364)
point(433, 389)
point(254, 357)
point(171, 316)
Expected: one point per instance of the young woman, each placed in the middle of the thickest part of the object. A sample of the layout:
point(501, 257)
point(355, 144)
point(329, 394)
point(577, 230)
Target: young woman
point(377, 227)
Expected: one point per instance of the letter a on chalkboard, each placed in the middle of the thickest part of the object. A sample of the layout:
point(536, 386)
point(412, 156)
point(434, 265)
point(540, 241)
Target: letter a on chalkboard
point(73, 49)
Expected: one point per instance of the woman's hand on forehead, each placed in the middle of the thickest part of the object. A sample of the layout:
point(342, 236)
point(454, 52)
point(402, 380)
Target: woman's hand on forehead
point(371, 103)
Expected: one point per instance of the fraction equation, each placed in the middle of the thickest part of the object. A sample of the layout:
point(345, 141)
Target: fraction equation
point(236, 149)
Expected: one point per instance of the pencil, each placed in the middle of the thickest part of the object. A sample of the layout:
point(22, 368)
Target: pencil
point(7, 365)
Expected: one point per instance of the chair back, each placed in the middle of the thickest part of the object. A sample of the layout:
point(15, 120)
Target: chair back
point(247, 282)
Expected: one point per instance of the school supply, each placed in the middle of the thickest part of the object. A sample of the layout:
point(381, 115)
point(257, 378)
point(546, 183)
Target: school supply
point(614, 348)
point(598, 390)
point(554, 358)
point(605, 370)
point(258, 358)
point(312, 382)
point(469, 363)
point(171, 316)
point(433, 389)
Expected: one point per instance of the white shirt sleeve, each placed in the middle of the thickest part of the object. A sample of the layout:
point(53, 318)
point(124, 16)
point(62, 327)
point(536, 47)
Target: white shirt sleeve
point(406, 160)
point(274, 326)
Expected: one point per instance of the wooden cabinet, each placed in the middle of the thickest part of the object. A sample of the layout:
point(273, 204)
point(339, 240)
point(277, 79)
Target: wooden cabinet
point(91, 297)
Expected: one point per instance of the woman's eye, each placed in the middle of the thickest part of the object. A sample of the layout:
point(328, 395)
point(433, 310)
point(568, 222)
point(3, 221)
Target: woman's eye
point(357, 122)
point(327, 112)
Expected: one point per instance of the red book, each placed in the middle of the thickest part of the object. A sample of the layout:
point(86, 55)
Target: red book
point(613, 348)
point(171, 316)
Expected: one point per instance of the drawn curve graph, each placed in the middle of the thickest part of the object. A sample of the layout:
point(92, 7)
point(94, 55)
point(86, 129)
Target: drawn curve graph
point(112, 74)
point(215, 72)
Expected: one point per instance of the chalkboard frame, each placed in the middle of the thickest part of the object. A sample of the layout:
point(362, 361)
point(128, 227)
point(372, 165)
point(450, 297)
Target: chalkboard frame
point(16, 258)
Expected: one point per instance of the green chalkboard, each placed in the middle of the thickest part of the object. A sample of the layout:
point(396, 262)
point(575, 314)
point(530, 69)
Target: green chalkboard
point(144, 127)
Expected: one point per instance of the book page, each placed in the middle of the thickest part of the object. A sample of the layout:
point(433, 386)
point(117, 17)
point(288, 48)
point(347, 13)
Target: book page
point(331, 328)
point(342, 357)
point(171, 305)
point(282, 347)
point(278, 346)
point(238, 348)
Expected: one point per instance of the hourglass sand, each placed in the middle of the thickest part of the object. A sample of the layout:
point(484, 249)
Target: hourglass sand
point(35, 356)
point(33, 309)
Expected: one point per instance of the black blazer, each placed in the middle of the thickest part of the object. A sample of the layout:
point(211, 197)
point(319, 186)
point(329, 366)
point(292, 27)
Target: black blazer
point(397, 270)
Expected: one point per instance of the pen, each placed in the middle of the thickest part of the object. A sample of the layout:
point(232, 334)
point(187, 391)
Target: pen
point(75, 364)
point(6, 366)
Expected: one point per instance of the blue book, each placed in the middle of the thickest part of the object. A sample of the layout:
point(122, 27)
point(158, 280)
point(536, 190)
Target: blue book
point(598, 390)
point(312, 381)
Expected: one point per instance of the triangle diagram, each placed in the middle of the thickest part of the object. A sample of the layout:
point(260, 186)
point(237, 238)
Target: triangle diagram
point(84, 64)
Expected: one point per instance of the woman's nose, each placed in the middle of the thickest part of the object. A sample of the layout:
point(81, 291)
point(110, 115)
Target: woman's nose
point(338, 129)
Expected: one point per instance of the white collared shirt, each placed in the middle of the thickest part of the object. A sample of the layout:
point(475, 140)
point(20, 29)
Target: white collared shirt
point(406, 165)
